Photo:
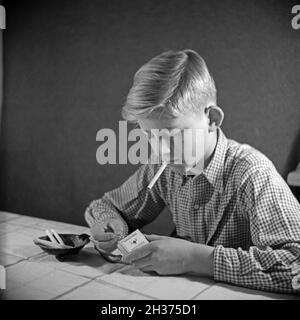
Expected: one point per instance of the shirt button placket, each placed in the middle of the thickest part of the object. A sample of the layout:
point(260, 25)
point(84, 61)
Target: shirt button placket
point(194, 209)
point(198, 209)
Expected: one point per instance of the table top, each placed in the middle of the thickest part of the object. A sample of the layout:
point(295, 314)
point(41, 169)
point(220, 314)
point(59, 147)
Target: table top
point(33, 274)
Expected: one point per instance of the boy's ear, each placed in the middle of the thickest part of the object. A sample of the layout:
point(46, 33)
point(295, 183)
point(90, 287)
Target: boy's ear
point(215, 115)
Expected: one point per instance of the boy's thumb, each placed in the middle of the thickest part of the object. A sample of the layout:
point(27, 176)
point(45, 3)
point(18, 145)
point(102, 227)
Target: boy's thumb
point(153, 237)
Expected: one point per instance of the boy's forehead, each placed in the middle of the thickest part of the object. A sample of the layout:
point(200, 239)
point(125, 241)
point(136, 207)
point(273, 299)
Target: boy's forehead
point(154, 123)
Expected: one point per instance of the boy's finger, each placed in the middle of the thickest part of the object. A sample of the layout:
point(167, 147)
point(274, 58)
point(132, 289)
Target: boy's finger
point(105, 246)
point(138, 253)
point(153, 237)
point(147, 268)
point(116, 226)
point(104, 236)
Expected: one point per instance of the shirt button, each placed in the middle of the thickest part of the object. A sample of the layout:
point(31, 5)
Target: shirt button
point(196, 206)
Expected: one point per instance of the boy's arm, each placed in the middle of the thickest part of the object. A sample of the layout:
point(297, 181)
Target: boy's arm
point(133, 203)
point(274, 215)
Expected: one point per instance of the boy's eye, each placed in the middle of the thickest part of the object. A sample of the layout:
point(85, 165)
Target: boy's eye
point(163, 132)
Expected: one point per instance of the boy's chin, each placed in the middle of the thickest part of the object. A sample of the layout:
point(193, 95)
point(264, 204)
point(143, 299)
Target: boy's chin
point(180, 168)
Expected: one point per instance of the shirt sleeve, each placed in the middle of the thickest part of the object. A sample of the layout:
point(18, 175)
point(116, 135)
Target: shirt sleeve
point(132, 202)
point(272, 262)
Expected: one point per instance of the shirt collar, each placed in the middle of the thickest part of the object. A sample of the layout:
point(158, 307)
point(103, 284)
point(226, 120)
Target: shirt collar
point(214, 171)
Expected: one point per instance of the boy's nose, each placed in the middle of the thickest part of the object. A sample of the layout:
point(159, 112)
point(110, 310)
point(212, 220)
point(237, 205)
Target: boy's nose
point(165, 148)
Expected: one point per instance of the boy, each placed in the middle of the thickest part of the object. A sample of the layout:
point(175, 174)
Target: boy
point(236, 220)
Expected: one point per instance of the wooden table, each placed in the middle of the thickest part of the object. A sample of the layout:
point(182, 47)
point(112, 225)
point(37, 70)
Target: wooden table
point(32, 274)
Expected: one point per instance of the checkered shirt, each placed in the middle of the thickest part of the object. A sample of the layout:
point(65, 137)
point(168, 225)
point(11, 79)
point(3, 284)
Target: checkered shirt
point(239, 204)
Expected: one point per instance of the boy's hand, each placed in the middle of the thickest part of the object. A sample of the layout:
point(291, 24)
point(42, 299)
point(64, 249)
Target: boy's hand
point(166, 255)
point(106, 234)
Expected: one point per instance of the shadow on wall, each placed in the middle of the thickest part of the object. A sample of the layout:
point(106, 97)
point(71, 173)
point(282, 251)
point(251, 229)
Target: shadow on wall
point(292, 162)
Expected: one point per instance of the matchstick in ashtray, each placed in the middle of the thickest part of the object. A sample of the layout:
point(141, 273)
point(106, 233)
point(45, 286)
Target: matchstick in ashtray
point(157, 175)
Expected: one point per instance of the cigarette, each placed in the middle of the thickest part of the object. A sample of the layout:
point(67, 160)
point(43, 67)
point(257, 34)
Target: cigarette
point(47, 243)
point(57, 236)
point(51, 244)
point(157, 175)
point(50, 236)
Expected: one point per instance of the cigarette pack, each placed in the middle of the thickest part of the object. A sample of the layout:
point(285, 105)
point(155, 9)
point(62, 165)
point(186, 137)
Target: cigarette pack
point(133, 241)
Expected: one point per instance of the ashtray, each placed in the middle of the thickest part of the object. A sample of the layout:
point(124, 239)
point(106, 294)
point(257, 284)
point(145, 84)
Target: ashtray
point(74, 242)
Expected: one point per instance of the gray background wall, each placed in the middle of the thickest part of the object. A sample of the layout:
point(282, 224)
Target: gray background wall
point(69, 65)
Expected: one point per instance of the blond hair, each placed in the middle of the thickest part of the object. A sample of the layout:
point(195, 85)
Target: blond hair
point(174, 82)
